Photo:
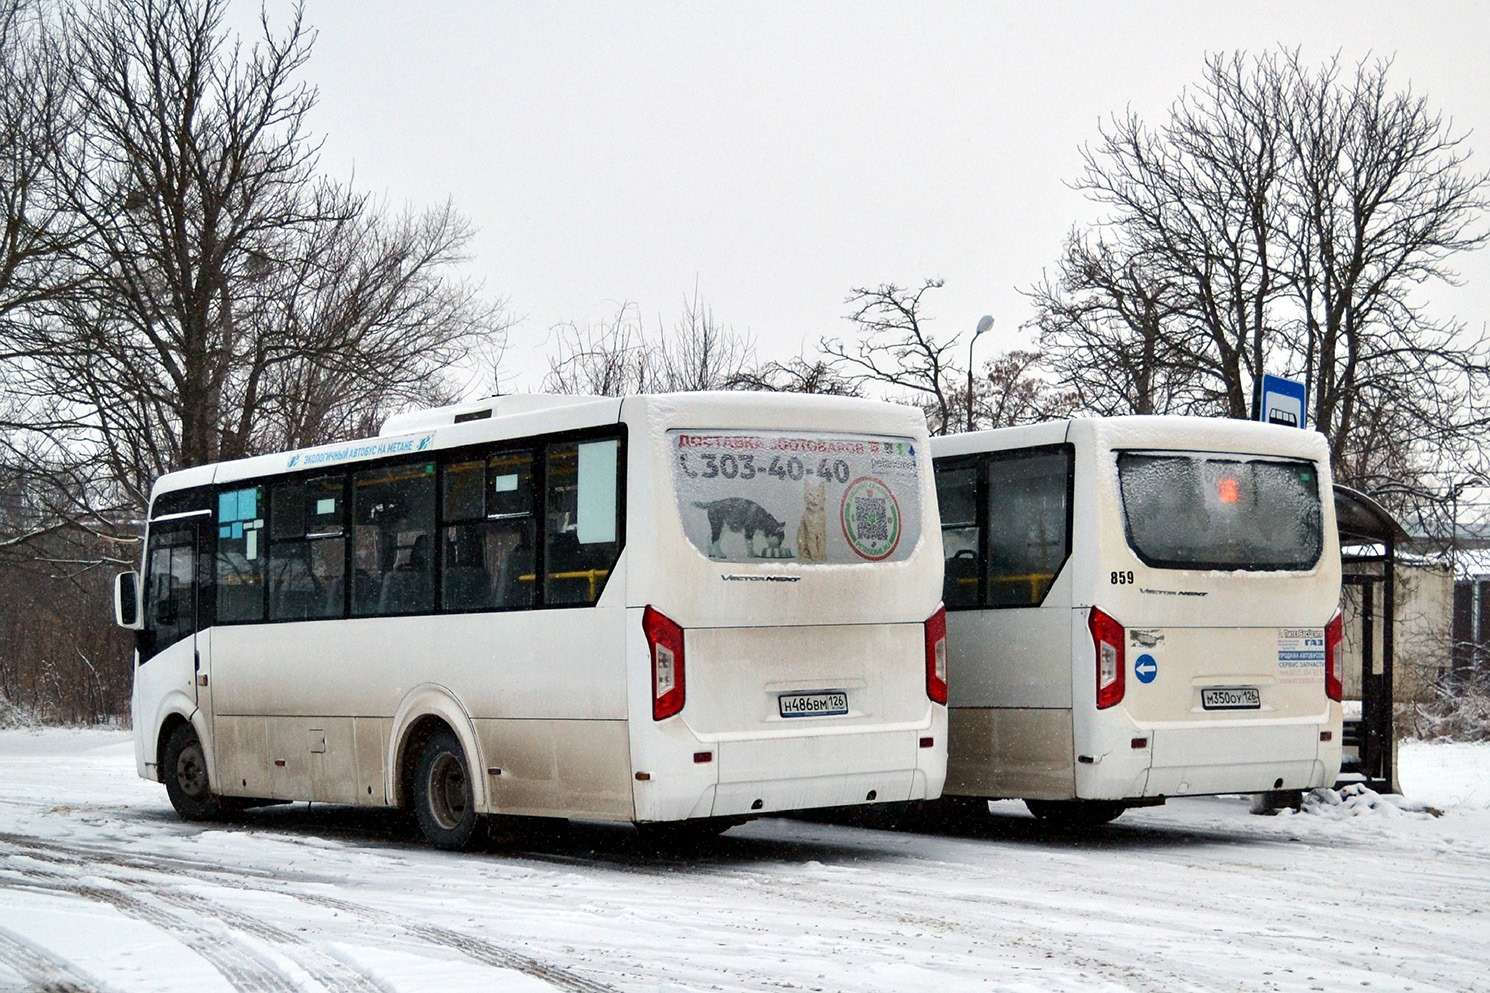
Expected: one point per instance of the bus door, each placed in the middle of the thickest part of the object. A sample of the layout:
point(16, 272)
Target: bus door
point(171, 667)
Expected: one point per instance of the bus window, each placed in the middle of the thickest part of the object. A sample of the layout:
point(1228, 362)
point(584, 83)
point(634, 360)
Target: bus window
point(812, 497)
point(1188, 512)
point(307, 550)
point(170, 589)
point(962, 542)
point(581, 540)
point(1029, 525)
point(393, 513)
point(240, 555)
point(490, 533)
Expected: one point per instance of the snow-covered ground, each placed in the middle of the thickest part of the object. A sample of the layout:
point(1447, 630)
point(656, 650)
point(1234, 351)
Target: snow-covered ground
point(102, 888)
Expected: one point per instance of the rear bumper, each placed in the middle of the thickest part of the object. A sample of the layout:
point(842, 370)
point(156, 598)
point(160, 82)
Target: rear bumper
point(1241, 757)
point(754, 776)
point(1247, 759)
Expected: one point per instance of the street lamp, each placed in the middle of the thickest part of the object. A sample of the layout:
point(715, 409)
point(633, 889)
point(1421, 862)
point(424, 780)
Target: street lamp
point(984, 323)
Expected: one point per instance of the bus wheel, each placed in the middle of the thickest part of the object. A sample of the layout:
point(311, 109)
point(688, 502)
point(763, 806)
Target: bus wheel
point(442, 794)
point(1075, 814)
point(184, 769)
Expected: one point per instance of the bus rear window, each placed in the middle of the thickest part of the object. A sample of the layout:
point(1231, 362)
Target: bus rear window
point(1201, 512)
point(748, 496)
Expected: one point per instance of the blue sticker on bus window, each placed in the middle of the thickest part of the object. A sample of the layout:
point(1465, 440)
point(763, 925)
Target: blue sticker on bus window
point(1146, 668)
point(238, 505)
point(238, 530)
point(225, 531)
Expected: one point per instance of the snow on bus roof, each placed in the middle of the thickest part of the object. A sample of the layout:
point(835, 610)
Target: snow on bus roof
point(536, 413)
point(1203, 434)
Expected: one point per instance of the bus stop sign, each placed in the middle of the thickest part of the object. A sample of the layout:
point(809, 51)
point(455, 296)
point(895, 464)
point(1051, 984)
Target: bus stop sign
point(1282, 402)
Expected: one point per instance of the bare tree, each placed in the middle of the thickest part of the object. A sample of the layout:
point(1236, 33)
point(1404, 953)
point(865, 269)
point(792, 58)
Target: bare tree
point(178, 285)
point(897, 349)
point(35, 115)
point(360, 321)
point(797, 375)
point(1281, 220)
point(605, 359)
point(228, 300)
point(1384, 201)
point(617, 356)
point(1175, 295)
point(1012, 390)
point(1113, 334)
point(700, 354)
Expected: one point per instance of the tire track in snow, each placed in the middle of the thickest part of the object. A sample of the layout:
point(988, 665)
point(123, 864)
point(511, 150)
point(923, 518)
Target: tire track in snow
point(328, 970)
point(244, 969)
point(40, 969)
point(473, 947)
point(1096, 924)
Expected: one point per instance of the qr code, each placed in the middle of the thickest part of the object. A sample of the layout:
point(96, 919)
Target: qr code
point(871, 520)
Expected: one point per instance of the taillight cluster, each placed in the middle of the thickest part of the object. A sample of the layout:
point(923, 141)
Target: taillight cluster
point(1333, 632)
point(936, 656)
point(1107, 638)
point(665, 645)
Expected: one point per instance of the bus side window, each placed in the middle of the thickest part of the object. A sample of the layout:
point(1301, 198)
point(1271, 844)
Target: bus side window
point(488, 540)
point(393, 540)
point(241, 550)
point(307, 549)
point(581, 536)
point(170, 587)
point(962, 539)
point(1028, 534)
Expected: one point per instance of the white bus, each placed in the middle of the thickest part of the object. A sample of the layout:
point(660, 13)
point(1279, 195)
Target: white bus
point(1139, 608)
point(686, 608)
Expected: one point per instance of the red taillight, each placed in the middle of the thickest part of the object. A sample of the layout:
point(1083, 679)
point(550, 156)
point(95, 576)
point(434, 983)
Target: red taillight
point(665, 645)
point(936, 656)
point(1107, 638)
point(1333, 632)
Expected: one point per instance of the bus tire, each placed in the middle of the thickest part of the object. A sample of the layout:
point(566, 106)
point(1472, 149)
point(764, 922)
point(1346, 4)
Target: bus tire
point(1075, 814)
point(184, 771)
point(443, 800)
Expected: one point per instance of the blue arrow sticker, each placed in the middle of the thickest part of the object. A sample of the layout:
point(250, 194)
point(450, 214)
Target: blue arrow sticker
point(1145, 668)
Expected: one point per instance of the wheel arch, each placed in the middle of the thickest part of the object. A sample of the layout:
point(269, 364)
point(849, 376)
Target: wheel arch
point(425, 711)
point(176, 710)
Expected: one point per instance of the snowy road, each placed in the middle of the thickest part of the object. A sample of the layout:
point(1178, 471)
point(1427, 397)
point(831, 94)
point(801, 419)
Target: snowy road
point(102, 888)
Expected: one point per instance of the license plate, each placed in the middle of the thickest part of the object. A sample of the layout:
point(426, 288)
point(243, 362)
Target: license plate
point(1231, 698)
point(834, 704)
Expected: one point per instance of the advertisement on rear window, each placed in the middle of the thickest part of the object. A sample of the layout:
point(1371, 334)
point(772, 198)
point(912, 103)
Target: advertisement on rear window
point(797, 496)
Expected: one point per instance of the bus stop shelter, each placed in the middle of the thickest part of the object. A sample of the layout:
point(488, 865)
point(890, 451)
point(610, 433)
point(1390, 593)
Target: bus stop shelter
point(1369, 536)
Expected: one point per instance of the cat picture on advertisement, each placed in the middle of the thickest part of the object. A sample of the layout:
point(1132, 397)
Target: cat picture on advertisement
point(745, 518)
point(812, 533)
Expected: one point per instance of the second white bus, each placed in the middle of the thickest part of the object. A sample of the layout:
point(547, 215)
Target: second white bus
point(1139, 608)
point(691, 608)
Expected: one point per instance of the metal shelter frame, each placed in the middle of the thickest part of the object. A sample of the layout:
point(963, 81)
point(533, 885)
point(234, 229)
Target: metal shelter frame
point(1368, 557)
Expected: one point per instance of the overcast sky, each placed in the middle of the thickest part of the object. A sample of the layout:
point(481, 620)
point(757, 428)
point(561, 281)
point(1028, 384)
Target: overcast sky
point(779, 154)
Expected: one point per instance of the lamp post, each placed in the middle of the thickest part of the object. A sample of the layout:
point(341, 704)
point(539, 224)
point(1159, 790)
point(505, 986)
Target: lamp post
point(984, 323)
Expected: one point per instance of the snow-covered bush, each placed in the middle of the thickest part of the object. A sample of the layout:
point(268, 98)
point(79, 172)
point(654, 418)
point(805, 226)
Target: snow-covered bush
point(13, 715)
point(1459, 711)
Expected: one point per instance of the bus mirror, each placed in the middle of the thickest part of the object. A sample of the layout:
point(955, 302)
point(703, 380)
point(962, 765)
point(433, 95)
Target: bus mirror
point(127, 601)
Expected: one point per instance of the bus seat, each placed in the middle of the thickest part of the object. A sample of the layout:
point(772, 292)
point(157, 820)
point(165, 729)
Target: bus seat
point(467, 587)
